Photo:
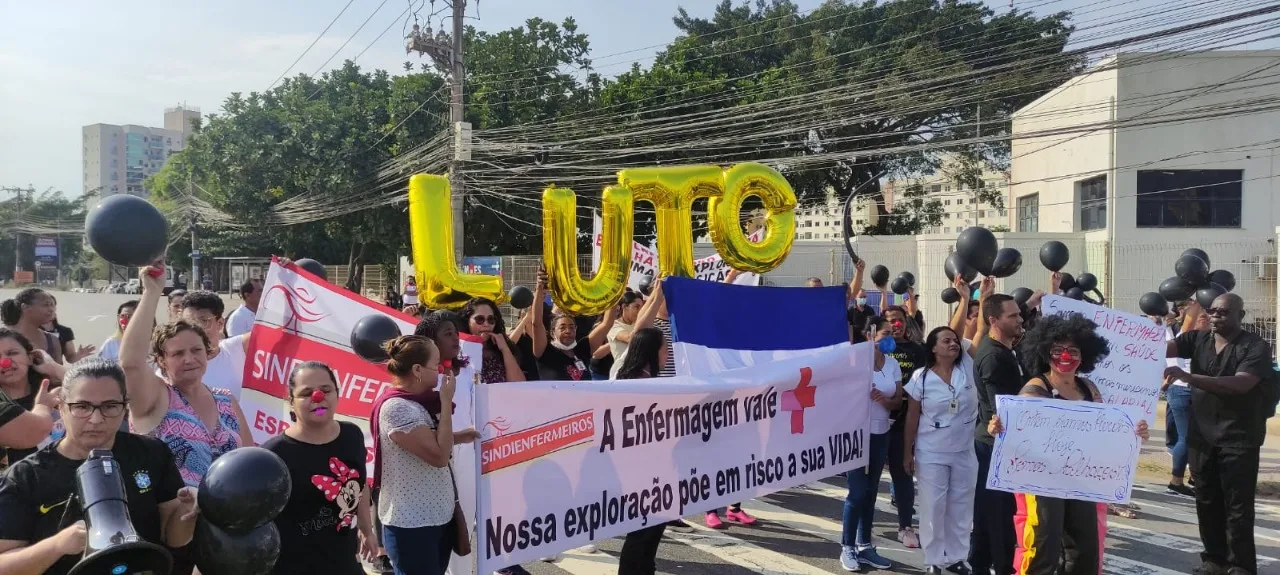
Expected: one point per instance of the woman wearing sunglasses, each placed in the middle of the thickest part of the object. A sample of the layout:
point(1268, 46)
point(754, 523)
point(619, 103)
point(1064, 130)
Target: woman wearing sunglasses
point(1059, 348)
point(501, 363)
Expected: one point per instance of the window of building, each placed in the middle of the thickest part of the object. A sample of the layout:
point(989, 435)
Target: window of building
point(946, 202)
point(935, 188)
point(808, 235)
point(1093, 203)
point(1189, 198)
point(1029, 213)
point(1003, 213)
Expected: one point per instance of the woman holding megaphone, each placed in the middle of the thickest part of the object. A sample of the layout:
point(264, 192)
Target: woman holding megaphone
point(43, 529)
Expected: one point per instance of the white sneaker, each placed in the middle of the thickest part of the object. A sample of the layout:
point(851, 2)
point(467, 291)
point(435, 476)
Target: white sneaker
point(551, 559)
point(908, 537)
point(589, 549)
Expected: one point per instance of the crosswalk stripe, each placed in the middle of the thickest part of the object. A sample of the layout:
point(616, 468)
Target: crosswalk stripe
point(743, 553)
point(579, 562)
point(1165, 540)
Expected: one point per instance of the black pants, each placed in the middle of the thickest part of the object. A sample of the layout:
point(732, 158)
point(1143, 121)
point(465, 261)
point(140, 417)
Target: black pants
point(640, 551)
point(1226, 482)
point(992, 542)
point(904, 488)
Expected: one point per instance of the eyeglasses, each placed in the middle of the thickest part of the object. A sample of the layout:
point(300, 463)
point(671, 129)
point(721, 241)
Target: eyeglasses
point(84, 410)
point(1059, 350)
point(484, 319)
point(1218, 312)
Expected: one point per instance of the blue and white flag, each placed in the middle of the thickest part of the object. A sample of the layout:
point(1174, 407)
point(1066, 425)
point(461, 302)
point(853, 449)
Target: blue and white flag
point(718, 327)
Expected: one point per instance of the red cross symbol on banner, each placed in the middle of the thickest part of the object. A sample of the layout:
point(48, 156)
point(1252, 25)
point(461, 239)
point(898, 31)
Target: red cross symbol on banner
point(799, 399)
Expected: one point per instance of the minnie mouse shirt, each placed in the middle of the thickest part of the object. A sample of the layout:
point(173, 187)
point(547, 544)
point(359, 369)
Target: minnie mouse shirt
point(318, 525)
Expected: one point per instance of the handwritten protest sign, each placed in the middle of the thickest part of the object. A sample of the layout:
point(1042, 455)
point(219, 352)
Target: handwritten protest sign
point(1132, 373)
point(1065, 449)
point(563, 464)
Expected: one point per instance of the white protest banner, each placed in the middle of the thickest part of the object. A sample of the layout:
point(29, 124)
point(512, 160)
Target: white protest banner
point(1132, 373)
point(644, 262)
point(1065, 449)
point(566, 463)
point(301, 318)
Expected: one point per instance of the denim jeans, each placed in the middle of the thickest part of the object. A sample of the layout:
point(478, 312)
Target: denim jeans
point(419, 550)
point(1178, 417)
point(860, 502)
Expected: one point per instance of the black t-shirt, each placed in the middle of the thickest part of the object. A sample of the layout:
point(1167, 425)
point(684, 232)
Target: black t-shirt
point(858, 322)
point(1227, 419)
point(911, 356)
point(999, 373)
point(9, 411)
point(558, 366)
point(25, 402)
point(36, 493)
point(64, 333)
point(524, 356)
point(600, 366)
point(317, 527)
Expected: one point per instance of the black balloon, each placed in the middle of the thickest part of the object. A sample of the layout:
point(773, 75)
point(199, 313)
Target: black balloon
point(950, 296)
point(1087, 282)
point(1223, 278)
point(520, 297)
point(1022, 295)
point(978, 247)
point(956, 264)
point(218, 552)
point(1197, 252)
point(1054, 255)
point(910, 277)
point(313, 267)
point(879, 275)
point(1206, 295)
point(1075, 293)
point(1008, 262)
point(127, 231)
point(1068, 282)
point(1152, 303)
point(244, 489)
point(1192, 270)
point(1176, 289)
point(899, 285)
point(370, 333)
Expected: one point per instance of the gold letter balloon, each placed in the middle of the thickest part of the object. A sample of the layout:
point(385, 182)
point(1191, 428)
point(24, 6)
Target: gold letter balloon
point(740, 182)
point(672, 191)
point(560, 251)
point(442, 285)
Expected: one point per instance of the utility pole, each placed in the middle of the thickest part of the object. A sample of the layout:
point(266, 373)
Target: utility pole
point(446, 54)
point(195, 251)
point(17, 236)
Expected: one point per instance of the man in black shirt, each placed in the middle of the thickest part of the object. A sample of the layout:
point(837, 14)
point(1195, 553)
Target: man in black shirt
point(1229, 369)
point(858, 315)
point(42, 529)
point(999, 373)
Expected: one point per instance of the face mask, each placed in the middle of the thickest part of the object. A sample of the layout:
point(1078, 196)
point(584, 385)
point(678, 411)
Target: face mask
point(562, 347)
point(861, 301)
point(887, 345)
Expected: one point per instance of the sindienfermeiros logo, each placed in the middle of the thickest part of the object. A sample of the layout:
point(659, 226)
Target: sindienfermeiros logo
point(529, 444)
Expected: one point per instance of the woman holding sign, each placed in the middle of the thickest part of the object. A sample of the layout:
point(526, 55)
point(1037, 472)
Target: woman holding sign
point(1058, 349)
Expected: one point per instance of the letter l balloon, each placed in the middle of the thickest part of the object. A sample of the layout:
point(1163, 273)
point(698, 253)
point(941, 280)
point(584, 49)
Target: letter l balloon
point(442, 284)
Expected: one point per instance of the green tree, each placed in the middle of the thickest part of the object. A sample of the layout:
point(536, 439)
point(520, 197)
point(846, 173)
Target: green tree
point(863, 90)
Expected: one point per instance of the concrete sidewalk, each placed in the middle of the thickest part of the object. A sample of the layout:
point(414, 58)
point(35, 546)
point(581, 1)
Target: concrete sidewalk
point(1156, 461)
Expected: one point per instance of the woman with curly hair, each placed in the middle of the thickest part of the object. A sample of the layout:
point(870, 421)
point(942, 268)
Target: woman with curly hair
point(1057, 350)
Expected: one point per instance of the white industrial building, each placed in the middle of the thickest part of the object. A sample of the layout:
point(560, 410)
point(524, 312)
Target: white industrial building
point(1148, 154)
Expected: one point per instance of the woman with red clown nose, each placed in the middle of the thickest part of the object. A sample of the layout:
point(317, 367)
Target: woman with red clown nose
point(27, 406)
point(327, 521)
point(1058, 349)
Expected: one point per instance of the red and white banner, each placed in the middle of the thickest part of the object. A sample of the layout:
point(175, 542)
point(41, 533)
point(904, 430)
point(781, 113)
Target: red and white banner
point(302, 318)
point(566, 463)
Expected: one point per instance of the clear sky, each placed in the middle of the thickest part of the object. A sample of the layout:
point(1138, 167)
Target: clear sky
point(67, 64)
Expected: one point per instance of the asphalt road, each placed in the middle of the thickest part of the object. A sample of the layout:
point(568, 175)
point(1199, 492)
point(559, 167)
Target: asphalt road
point(92, 316)
point(799, 529)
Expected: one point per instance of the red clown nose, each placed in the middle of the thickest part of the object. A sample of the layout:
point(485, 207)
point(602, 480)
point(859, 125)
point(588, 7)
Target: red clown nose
point(6, 363)
point(897, 324)
point(445, 366)
point(317, 396)
point(1066, 356)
